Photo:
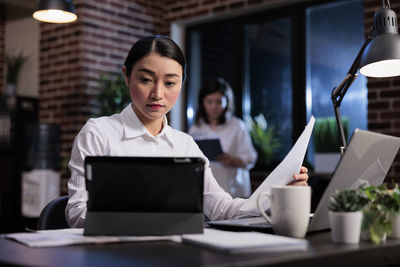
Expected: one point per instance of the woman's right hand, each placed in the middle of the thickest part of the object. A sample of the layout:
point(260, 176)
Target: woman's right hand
point(300, 178)
point(230, 161)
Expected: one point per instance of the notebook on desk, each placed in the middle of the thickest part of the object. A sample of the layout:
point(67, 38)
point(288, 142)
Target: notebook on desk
point(367, 159)
point(144, 195)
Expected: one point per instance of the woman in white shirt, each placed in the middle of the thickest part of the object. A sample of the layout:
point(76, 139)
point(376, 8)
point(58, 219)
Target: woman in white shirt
point(154, 71)
point(214, 119)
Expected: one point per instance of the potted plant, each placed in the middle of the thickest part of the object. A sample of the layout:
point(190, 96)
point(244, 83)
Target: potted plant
point(114, 95)
point(345, 215)
point(14, 65)
point(326, 143)
point(376, 223)
point(395, 212)
point(263, 137)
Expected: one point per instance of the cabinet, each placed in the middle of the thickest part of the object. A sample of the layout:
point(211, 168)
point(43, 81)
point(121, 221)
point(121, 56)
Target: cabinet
point(12, 151)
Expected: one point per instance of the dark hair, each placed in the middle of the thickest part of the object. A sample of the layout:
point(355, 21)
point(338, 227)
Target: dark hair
point(161, 45)
point(219, 85)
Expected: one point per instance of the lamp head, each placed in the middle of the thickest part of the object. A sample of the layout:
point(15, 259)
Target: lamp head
point(55, 11)
point(381, 57)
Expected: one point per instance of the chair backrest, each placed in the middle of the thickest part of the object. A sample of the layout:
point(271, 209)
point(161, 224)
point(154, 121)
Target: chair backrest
point(53, 215)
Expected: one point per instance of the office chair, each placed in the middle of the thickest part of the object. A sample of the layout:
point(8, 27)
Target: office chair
point(53, 215)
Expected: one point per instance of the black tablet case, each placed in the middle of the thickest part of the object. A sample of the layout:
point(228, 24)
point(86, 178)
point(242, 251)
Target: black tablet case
point(144, 195)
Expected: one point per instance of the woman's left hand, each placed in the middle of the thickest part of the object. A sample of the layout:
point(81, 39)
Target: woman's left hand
point(300, 178)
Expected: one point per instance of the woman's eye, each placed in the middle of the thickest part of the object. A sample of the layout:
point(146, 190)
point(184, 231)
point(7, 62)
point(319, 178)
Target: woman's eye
point(169, 84)
point(145, 80)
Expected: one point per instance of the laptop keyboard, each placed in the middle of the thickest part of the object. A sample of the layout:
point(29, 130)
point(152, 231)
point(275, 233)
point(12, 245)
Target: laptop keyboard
point(260, 224)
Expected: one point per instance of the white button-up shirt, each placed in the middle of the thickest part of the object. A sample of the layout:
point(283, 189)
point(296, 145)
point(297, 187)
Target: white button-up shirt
point(235, 141)
point(124, 135)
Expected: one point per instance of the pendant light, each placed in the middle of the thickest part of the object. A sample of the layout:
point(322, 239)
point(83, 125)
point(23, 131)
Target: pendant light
point(55, 11)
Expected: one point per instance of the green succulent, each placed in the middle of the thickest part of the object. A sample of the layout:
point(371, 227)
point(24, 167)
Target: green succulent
point(347, 201)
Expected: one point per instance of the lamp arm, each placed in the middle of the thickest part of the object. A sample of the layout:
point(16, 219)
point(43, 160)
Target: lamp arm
point(339, 91)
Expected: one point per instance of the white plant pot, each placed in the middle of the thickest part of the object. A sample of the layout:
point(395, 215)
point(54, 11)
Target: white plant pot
point(395, 220)
point(345, 226)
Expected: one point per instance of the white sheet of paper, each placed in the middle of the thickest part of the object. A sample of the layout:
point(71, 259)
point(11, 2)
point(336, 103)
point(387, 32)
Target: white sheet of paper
point(240, 242)
point(283, 173)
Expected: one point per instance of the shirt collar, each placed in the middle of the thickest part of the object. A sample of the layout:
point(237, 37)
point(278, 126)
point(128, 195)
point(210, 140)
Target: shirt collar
point(133, 127)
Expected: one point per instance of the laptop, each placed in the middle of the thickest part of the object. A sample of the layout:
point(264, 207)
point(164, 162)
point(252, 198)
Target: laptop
point(366, 160)
point(144, 195)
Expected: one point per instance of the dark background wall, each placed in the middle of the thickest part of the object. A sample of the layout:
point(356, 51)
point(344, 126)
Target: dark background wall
point(73, 56)
point(2, 49)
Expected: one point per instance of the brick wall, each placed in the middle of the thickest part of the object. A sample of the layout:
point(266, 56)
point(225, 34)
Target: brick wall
point(384, 94)
point(2, 47)
point(73, 56)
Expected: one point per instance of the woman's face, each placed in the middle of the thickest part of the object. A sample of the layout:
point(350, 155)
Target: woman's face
point(214, 105)
point(154, 85)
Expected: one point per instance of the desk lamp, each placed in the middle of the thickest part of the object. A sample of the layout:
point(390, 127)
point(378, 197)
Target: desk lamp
point(378, 57)
point(55, 11)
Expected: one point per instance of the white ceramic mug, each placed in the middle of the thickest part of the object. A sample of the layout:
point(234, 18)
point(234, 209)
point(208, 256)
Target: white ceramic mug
point(290, 209)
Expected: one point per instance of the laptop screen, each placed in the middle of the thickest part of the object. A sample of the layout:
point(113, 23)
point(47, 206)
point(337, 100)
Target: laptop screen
point(144, 184)
point(366, 160)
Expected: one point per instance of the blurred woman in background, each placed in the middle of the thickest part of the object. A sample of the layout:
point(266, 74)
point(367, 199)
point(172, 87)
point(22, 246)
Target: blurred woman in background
point(214, 119)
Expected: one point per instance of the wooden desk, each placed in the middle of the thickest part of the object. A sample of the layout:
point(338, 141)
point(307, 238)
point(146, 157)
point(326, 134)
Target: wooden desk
point(320, 253)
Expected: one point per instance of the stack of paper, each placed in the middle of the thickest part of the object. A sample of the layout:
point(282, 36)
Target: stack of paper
point(237, 242)
point(221, 240)
point(71, 236)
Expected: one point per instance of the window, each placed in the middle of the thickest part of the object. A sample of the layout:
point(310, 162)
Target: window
point(268, 70)
point(333, 43)
point(282, 63)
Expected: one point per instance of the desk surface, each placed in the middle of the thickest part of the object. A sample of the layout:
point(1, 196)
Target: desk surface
point(320, 253)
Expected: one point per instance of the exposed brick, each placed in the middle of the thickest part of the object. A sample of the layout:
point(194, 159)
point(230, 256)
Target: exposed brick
point(396, 82)
point(97, 43)
point(378, 105)
point(236, 5)
point(390, 115)
point(372, 95)
point(372, 116)
point(219, 9)
point(390, 93)
point(254, 2)
point(379, 125)
point(207, 2)
point(387, 119)
point(378, 83)
point(396, 104)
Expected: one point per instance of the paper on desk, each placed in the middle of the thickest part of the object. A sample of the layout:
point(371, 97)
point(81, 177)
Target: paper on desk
point(283, 173)
point(73, 236)
point(239, 242)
